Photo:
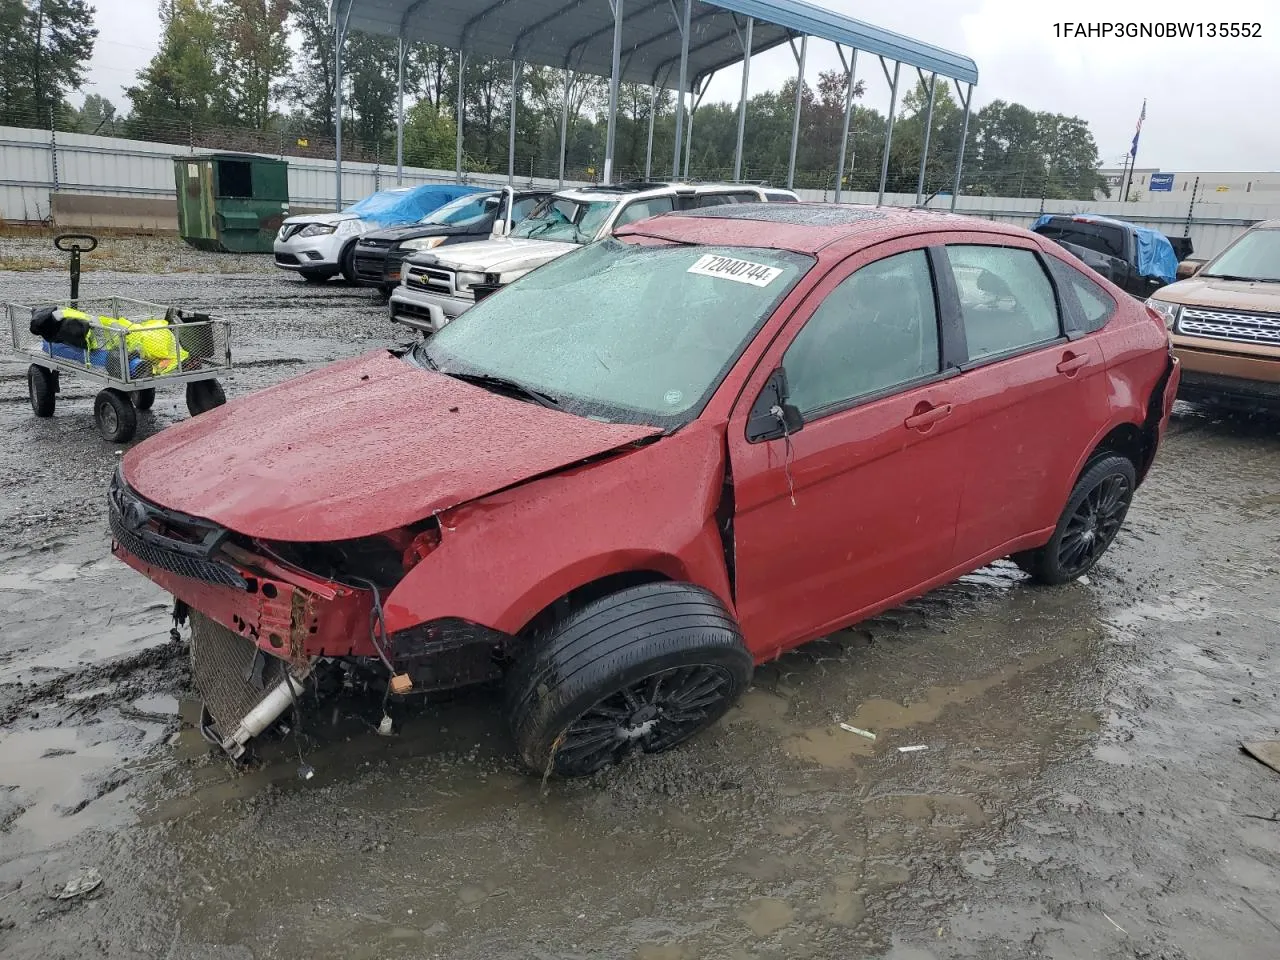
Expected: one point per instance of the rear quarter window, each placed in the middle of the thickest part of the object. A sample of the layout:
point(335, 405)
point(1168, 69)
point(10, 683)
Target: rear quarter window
point(1087, 304)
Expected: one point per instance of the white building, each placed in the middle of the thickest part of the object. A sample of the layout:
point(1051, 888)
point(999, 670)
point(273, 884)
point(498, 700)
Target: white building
point(1214, 186)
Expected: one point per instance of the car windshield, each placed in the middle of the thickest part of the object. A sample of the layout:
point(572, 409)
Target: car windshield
point(1255, 256)
point(621, 331)
point(462, 212)
point(563, 218)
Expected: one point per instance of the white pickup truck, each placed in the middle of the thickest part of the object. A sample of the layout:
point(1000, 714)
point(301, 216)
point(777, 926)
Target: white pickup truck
point(435, 287)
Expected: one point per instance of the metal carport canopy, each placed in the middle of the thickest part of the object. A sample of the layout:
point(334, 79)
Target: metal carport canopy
point(651, 42)
point(578, 34)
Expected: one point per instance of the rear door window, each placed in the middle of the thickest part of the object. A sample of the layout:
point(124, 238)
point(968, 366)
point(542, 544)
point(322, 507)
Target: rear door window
point(1093, 305)
point(1099, 237)
point(1006, 301)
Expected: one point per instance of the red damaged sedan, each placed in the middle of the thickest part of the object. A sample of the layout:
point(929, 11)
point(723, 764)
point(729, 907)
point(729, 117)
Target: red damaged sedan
point(619, 482)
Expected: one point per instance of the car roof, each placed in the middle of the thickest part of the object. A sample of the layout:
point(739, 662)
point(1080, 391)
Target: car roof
point(1266, 225)
point(806, 227)
point(639, 188)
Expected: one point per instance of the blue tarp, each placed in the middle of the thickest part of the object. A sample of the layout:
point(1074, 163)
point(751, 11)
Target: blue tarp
point(403, 205)
point(1155, 253)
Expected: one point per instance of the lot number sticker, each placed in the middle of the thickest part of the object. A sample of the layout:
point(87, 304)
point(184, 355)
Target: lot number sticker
point(743, 271)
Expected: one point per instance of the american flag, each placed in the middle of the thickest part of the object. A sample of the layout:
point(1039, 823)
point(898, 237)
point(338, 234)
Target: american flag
point(1133, 150)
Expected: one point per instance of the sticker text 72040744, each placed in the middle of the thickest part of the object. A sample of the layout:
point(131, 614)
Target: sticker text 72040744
point(743, 271)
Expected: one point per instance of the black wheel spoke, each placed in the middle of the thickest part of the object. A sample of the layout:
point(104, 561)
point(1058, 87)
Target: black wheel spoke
point(1093, 524)
point(653, 713)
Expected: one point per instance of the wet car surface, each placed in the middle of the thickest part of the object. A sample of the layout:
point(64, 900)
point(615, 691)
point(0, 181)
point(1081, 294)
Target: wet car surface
point(1082, 793)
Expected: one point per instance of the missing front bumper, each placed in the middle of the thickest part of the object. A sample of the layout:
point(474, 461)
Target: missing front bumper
point(244, 690)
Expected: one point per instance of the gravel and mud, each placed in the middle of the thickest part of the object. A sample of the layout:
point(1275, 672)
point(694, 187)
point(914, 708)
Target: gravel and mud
point(1082, 793)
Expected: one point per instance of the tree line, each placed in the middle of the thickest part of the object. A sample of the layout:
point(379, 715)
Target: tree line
point(259, 75)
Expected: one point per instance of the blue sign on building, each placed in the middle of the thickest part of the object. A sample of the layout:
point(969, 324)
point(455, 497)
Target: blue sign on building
point(1161, 182)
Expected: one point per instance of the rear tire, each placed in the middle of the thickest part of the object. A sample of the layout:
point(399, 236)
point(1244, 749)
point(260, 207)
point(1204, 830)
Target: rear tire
point(42, 388)
point(145, 399)
point(645, 668)
point(315, 276)
point(204, 395)
point(113, 412)
point(1089, 523)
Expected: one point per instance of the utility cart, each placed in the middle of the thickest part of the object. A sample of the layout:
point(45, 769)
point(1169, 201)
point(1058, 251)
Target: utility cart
point(131, 347)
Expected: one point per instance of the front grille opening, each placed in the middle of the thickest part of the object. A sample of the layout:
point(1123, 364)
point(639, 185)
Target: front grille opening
point(1225, 325)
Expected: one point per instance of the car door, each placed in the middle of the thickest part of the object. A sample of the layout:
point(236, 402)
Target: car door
point(1036, 396)
point(855, 509)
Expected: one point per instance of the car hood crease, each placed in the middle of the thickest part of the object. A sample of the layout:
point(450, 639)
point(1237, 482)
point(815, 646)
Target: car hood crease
point(360, 447)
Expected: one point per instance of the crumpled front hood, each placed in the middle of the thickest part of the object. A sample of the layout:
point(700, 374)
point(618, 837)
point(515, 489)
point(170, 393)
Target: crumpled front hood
point(495, 256)
point(357, 448)
point(396, 234)
point(1216, 294)
point(333, 218)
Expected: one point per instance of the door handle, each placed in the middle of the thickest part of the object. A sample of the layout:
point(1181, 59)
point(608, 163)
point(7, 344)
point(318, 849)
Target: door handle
point(927, 415)
point(1071, 362)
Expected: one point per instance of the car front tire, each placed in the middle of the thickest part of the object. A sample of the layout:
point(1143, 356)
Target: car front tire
point(1094, 513)
point(348, 264)
point(643, 669)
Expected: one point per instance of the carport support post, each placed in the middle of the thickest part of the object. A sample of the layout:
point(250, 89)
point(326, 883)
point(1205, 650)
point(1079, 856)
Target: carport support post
point(795, 120)
point(339, 38)
point(928, 128)
point(648, 152)
point(511, 133)
point(683, 86)
point(459, 108)
point(964, 136)
point(888, 127)
point(564, 121)
point(852, 68)
point(693, 111)
point(746, 39)
point(615, 70)
point(402, 52)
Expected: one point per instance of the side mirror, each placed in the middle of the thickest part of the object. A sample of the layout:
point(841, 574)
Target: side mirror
point(772, 417)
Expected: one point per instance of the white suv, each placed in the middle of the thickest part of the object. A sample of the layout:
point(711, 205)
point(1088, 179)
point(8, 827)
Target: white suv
point(436, 287)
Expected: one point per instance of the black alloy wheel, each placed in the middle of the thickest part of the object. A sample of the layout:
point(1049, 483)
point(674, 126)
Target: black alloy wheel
point(1093, 516)
point(651, 715)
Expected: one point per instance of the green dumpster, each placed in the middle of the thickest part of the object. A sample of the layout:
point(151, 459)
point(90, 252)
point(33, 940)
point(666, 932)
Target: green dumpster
point(231, 202)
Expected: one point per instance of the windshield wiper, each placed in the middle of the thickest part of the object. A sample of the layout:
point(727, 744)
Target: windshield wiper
point(420, 353)
point(489, 381)
point(1232, 276)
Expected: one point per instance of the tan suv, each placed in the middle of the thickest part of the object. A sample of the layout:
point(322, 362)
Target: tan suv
point(1225, 322)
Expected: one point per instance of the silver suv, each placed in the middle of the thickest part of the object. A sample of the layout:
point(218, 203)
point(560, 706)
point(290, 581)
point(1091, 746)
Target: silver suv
point(436, 287)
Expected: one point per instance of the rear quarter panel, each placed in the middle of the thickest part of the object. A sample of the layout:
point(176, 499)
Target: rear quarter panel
point(1135, 345)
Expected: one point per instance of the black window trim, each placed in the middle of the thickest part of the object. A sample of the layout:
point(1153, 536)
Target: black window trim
point(1075, 316)
point(966, 364)
point(944, 373)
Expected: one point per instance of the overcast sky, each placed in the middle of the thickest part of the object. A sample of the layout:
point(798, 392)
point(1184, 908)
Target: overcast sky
point(1209, 101)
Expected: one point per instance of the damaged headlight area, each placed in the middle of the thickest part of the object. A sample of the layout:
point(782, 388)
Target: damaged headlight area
point(266, 615)
point(381, 560)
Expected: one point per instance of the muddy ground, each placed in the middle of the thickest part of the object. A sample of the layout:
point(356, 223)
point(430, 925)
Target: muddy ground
point(1082, 795)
